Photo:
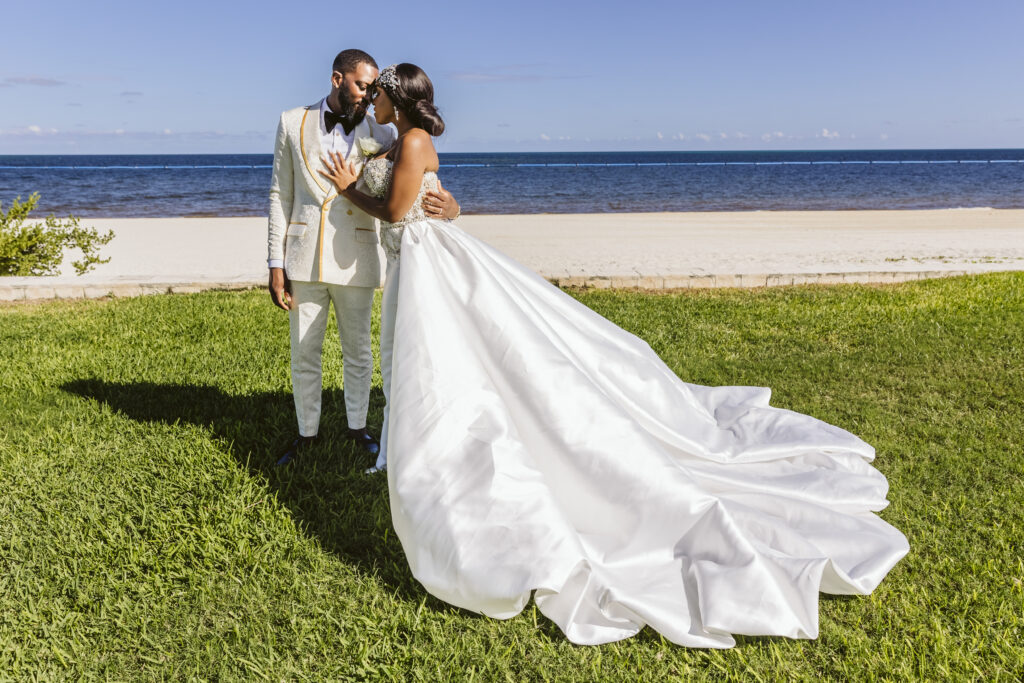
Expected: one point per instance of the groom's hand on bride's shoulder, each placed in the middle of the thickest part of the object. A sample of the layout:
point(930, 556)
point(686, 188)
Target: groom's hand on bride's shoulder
point(280, 291)
point(440, 203)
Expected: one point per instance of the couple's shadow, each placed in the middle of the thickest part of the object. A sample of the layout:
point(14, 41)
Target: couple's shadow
point(326, 490)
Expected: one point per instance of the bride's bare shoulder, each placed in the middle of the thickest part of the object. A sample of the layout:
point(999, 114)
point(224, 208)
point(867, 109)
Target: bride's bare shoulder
point(416, 140)
point(416, 145)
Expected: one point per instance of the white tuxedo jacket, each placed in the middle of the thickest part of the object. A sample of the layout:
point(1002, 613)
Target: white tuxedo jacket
point(320, 236)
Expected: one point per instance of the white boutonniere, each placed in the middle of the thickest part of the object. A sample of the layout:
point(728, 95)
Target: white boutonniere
point(368, 146)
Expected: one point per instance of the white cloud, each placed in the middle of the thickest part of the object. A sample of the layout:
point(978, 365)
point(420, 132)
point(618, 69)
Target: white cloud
point(740, 136)
point(75, 136)
point(679, 136)
point(723, 136)
point(33, 80)
point(660, 136)
point(545, 136)
point(28, 131)
point(705, 138)
point(777, 135)
point(828, 134)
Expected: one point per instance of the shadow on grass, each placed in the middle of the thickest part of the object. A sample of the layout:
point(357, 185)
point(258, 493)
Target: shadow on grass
point(326, 490)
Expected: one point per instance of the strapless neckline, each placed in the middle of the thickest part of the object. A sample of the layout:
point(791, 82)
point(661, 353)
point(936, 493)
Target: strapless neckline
point(377, 177)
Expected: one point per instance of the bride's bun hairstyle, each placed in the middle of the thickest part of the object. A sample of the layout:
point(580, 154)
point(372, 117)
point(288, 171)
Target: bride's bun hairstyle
point(412, 93)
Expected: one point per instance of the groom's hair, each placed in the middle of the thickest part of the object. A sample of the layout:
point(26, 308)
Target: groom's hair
point(348, 60)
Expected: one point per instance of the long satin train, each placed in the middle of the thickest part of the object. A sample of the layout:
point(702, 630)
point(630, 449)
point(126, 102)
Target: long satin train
point(536, 446)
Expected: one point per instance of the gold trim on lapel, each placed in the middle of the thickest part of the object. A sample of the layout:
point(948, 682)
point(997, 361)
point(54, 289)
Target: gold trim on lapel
point(324, 210)
point(309, 144)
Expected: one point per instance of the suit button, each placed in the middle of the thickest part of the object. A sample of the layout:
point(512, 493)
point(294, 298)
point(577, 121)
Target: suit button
point(349, 212)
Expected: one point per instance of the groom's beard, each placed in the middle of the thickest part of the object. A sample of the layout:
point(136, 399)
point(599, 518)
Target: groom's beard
point(353, 110)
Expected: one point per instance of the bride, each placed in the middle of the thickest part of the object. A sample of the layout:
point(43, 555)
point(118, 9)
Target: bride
point(532, 446)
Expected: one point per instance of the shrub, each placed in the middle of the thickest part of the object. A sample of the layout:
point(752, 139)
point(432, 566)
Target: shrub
point(38, 248)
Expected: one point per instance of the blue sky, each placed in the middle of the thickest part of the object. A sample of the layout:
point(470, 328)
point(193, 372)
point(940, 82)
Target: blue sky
point(193, 77)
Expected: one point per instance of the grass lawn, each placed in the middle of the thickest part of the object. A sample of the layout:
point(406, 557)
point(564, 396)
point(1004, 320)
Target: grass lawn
point(144, 532)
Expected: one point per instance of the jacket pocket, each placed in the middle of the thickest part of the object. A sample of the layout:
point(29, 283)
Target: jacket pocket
point(366, 236)
point(296, 229)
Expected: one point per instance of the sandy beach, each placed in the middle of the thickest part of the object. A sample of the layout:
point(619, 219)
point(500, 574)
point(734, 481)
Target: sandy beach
point(648, 250)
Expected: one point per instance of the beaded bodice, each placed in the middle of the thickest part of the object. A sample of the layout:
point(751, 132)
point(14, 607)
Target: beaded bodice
point(377, 175)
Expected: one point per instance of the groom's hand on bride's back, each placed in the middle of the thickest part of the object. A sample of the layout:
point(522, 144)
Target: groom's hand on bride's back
point(440, 203)
point(280, 289)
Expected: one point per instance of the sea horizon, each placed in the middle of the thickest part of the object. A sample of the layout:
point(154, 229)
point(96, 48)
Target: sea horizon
point(173, 185)
point(550, 151)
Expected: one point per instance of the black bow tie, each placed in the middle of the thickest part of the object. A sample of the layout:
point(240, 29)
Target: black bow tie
point(347, 122)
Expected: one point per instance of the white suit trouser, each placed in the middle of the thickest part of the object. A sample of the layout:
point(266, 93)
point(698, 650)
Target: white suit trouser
point(353, 307)
point(388, 313)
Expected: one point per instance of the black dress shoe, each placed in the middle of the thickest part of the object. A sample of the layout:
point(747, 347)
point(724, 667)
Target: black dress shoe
point(365, 440)
point(294, 448)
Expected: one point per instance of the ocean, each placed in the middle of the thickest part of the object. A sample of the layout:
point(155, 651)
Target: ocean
point(541, 182)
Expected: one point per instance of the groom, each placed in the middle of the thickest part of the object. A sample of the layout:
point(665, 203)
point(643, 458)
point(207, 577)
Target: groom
point(322, 249)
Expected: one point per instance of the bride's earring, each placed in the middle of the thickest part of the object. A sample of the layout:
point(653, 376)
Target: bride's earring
point(396, 114)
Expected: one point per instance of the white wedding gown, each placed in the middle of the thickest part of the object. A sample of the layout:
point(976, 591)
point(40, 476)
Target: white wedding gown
point(536, 447)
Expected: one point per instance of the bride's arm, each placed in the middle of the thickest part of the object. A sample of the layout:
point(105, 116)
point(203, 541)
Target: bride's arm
point(412, 157)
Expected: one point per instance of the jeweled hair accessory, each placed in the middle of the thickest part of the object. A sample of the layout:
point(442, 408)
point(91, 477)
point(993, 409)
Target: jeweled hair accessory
point(388, 80)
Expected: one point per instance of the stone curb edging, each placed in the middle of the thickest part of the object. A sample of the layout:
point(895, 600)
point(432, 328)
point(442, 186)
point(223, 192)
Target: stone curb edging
point(24, 292)
point(749, 280)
